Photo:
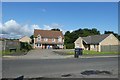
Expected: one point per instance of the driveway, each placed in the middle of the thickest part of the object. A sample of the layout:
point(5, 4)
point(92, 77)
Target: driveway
point(52, 54)
point(41, 54)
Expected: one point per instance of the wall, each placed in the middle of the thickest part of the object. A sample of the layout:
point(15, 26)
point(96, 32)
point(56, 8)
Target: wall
point(111, 43)
point(10, 44)
point(110, 40)
point(94, 47)
point(79, 43)
point(110, 48)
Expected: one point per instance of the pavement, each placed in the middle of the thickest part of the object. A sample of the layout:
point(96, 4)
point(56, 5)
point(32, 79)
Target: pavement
point(50, 54)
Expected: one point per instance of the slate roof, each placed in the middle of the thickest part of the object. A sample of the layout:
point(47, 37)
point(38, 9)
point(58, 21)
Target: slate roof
point(48, 33)
point(94, 39)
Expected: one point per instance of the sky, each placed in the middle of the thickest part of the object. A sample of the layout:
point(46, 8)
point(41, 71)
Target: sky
point(21, 18)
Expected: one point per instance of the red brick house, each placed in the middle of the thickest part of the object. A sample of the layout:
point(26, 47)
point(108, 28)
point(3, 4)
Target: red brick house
point(45, 39)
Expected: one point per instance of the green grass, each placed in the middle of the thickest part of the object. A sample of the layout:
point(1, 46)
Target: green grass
point(7, 52)
point(87, 52)
point(95, 52)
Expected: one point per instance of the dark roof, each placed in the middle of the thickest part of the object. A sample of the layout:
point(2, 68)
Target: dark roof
point(94, 39)
point(48, 33)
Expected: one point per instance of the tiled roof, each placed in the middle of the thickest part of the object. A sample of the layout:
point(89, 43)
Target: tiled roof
point(48, 33)
point(95, 39)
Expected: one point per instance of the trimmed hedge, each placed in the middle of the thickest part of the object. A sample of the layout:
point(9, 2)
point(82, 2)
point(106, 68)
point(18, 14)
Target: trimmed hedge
point(70, 46)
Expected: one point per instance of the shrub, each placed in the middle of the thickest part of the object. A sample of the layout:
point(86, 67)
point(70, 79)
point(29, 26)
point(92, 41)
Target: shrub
point(70, 46)
point(25, 46)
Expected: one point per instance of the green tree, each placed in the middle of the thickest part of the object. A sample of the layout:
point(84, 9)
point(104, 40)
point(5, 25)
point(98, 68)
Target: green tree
point(32, 37)
point(71, 37)
point(56, 29)
point(115, 34)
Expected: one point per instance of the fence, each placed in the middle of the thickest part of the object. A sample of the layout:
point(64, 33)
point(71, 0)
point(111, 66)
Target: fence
point(110, 48)
point(7, 44)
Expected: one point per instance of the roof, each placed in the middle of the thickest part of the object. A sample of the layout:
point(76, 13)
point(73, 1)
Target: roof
point(94, 39)
point(24, 37)
point(48, 33)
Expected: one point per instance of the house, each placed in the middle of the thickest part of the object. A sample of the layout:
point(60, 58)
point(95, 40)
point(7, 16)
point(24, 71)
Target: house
point(104, 42)
point(48, 39)
point(25, 39)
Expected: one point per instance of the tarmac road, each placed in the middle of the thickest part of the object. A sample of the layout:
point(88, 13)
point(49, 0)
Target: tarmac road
point(53, 68)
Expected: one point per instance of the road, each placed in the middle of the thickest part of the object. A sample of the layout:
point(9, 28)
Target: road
point(56, 67)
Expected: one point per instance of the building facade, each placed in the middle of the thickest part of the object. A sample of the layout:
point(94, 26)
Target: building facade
point(47, 39)
point(95, 42)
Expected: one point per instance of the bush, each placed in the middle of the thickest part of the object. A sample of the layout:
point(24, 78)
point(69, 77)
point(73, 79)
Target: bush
point(70, 46)
point(25, 46)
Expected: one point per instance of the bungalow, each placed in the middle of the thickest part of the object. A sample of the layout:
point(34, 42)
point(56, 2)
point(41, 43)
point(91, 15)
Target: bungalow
point(97, 42)
point(48, 39)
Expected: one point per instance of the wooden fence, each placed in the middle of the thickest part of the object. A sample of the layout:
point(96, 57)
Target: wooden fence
point(110, 48)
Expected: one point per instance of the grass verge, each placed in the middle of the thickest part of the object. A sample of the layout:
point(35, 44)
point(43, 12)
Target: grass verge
point(87, 52)
point(17, 52)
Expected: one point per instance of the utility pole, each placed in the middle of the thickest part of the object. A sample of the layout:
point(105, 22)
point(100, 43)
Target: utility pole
point(4, 45)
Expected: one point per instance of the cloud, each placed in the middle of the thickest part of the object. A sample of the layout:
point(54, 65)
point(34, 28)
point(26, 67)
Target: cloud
point(34, 26)
point(54, 26)
point(47, 27)
point(10, 27)
point(51, 26)
point(0, 28)
point(13, 28)
point(71, 31)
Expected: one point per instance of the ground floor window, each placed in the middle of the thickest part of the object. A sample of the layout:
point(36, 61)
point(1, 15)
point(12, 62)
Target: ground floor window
point(38, 44)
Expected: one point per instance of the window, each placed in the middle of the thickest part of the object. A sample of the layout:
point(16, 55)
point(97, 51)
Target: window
point(39, 38)
point(45, 39)
point(53, 40)
point(93, 46)
point(38, 45)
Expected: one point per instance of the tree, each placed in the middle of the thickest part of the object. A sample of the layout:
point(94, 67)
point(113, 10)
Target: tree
point(94, 31)
point(108, 32)
point(67, 37)
point(71, 37)
point(32, 37)
point(56, 29)
point(115, 34)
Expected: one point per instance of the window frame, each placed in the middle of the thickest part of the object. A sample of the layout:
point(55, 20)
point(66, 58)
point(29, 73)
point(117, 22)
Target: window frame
point(45, 39)
point(53, 39)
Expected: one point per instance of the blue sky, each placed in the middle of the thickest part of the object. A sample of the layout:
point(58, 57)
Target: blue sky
point(64, 15)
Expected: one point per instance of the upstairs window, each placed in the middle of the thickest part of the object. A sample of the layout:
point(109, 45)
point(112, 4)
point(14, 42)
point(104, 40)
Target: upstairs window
point(39, 38)
point(53, 40)
point(45, 39)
